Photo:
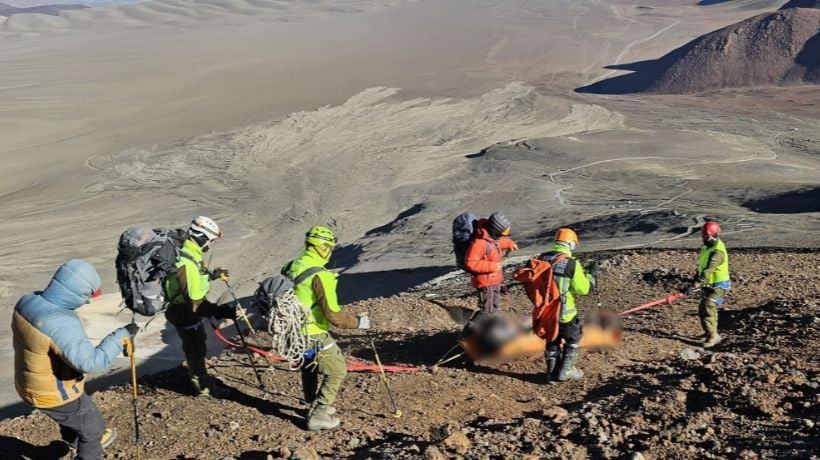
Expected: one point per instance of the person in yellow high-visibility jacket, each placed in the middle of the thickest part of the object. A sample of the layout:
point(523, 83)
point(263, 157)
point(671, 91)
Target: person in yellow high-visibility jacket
point(186, 291)
point(315, 288)
point(713, 280)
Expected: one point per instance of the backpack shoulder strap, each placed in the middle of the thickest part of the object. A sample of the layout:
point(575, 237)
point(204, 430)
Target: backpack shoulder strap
point(306, 274)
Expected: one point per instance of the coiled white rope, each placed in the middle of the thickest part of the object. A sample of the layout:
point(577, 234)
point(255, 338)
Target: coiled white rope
point(285, 322)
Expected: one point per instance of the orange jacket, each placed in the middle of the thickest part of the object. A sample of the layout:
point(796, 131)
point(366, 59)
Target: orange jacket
point(484, 255)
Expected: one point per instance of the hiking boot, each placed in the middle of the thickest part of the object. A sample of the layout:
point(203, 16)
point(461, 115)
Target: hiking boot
point(553, 355)
point(214, 391)
point(210, 389)
point(321, 419)
point(108, 437)
point(568, 371)
point(713, 340)
point(702, 338)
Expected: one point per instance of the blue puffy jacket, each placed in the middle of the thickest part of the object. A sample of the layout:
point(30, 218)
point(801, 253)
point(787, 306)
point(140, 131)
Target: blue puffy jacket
point(51, 351)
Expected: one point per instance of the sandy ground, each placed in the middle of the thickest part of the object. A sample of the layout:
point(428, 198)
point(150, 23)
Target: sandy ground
point(385, 118)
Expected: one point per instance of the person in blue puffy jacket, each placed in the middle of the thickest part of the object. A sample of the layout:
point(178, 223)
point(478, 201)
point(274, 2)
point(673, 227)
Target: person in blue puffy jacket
point(52, 355)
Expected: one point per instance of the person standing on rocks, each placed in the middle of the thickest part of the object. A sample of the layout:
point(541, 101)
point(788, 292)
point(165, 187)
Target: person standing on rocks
point(571, 280)
point(52, 355)
point(485, 260)
point(315, 288)
point(713, 281)
point(186, 292)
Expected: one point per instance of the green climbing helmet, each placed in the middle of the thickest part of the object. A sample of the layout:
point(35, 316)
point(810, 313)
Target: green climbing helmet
point(319, 236)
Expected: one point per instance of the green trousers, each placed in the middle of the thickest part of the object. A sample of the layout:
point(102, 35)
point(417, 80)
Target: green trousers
point(331, 364)
point(708, 309)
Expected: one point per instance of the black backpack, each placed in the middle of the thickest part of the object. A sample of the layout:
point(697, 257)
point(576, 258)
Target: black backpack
point(145, 258)
point(464, 227)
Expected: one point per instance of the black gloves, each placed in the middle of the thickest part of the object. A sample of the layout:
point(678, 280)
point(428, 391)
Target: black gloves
point(226, 311)
point(132, 329)
point(220, 274)
point(594, 268)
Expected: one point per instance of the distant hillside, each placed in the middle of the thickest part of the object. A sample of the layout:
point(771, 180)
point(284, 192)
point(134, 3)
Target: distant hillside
point(51, 10)
point(801, 4)
point(780, 48)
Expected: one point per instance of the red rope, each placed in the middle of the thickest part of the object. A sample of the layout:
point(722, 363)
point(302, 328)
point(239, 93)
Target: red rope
point(654, 303)
point(353, 365)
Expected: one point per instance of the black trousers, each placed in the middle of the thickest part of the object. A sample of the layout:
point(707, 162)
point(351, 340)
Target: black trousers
point(569, 332)
point(81, 425)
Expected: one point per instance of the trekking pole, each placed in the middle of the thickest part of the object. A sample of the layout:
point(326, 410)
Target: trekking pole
point(239, 307)
point(444, 358)
point(129, 350)
point(247, 321)
point(396, 411)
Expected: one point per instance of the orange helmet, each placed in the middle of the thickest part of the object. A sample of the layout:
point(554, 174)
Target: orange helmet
point(567, 237)
point(710, 230)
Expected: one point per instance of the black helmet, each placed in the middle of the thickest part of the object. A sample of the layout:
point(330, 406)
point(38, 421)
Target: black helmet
point(498, 224)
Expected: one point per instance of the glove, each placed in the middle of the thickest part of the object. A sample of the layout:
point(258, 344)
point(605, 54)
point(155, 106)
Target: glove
point(594, 268)
point(690, 289)
point(220, 274)
point(132, 329)
point(364, 322)
point(514, 246)
point(226, 311)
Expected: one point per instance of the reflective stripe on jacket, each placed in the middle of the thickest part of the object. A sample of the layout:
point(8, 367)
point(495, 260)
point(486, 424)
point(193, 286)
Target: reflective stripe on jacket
point(571, 280)
point(721, 272)
point(52, 353)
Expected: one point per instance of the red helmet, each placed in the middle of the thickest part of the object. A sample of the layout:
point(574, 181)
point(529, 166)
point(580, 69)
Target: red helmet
point(710, 230)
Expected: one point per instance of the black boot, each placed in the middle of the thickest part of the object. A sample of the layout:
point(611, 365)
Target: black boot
point(553, 356)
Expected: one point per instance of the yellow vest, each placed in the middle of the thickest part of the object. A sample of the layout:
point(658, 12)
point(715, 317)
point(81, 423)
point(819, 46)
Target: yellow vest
point(721, 274)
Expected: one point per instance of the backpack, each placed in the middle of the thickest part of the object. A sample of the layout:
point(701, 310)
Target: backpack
point(464, 226)
point(538, 280)
point(145, 258)
point(267, 295)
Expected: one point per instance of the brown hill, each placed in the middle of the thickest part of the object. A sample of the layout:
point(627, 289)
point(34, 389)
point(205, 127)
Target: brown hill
point(780, 48)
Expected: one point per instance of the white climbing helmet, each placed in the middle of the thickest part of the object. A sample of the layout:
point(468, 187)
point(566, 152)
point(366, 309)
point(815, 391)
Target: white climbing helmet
point(205, 226)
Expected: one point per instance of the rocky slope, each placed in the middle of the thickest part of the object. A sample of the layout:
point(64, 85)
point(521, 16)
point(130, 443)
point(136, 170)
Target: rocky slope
point(658, 395)
point(779, 48)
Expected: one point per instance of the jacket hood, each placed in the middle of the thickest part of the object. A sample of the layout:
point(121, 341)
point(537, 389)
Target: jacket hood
point(72, 285)
point(482, 231)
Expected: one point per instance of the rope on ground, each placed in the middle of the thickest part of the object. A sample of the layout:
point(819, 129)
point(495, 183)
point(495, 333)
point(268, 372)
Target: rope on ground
point(353, 365)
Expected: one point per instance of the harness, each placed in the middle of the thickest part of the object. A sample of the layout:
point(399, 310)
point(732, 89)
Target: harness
point(559, 264)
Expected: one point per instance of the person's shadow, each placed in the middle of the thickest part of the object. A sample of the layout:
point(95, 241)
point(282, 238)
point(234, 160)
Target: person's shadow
point(17, 449)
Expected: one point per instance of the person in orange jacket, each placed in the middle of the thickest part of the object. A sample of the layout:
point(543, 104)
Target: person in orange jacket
point(485, 260)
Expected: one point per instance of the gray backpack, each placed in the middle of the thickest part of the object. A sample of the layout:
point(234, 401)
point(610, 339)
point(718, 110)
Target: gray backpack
point(266, 297)
point(145, 258)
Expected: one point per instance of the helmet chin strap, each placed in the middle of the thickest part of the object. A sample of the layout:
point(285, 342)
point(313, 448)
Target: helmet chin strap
point(324, 250)
point(202, 241)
